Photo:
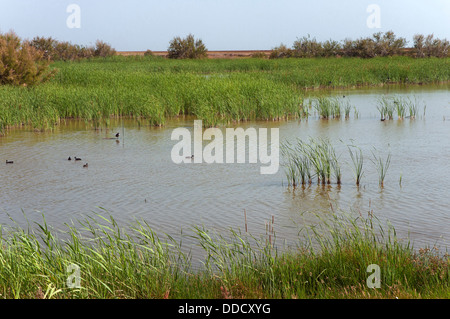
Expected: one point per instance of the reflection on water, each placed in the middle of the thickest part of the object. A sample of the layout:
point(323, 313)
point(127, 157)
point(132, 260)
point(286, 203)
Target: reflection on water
point(136, 179)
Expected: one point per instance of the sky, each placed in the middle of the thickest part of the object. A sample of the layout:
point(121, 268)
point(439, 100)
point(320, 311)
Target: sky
point(138, 25)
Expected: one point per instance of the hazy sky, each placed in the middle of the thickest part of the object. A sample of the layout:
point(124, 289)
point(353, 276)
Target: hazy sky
point(221, 24)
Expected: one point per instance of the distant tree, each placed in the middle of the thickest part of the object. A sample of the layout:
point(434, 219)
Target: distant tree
point(187, 48)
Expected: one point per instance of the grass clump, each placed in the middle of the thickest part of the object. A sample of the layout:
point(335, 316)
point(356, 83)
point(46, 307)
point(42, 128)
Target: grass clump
point(305, 160)
point(133, 262)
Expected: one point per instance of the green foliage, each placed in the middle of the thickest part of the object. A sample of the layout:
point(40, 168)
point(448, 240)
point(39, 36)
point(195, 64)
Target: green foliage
point(218, 91)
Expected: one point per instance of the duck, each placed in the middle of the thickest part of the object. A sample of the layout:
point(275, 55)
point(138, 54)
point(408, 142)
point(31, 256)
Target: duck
point(77, 158)
point(9, 162)
point(69, 159)
point(117, 135)
point(85, 165)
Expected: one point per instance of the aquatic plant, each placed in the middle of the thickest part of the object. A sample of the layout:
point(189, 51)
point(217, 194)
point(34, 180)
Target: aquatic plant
point(217, 91)
point(357, 161)
point(382, 166)
point(347, 108)
point(305, 160)
point(386, 107)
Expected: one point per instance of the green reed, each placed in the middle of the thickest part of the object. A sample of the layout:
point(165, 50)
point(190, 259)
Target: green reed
point(386, 107)
point(218, 91)
point(357, 158)
point(134, 262)
point(382, 166)
point(314, 158)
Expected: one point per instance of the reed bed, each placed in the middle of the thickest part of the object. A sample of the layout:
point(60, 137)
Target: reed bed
point(304, 161)
point(153, 89)
point(405, 107)
point(116, 261)
point(316, 158)
point(382, 166)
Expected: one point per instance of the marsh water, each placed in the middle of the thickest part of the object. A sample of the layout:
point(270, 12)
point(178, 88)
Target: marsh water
point(134, 177)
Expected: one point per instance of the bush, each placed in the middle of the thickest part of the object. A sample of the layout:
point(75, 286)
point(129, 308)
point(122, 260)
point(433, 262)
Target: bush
point(428, 46)
point(103, 49)
point(282, 51)
point(148, 53)
point(187, 48)
point(258, 55)
point(379, 44)
point(307, 48)
point(66, 51)
point(21, 63)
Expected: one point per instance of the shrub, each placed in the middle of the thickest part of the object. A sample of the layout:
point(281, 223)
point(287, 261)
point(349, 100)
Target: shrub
point(379, 44)
point(307, 48)
point(187, 48)
point(148, 53)
point(46, 45)
point(429, 46)
point(66, 51)
point(258, 55)
point(21, 63)
point(281, 51)
point(103, 49)
point(331, 48)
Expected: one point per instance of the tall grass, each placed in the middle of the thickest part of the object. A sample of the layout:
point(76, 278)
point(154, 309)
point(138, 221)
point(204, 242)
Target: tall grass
point(331, 107)
point(406, 107)
point(153, 89)
point(134, 262)
point(314, 158)
point(357, 157)
point(382, 166)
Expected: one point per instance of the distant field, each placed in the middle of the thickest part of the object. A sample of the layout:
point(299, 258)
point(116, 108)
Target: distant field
point(226, 54)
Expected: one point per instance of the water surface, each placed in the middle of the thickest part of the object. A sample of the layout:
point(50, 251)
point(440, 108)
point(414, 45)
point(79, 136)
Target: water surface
point(135, 178)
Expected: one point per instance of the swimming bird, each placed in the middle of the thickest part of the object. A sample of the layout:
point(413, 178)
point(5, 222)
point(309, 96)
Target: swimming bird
point(9, 162)
point(85, 165)
point(69, 159)
point(117, 135)
point(192, 156)
point(77, 158)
